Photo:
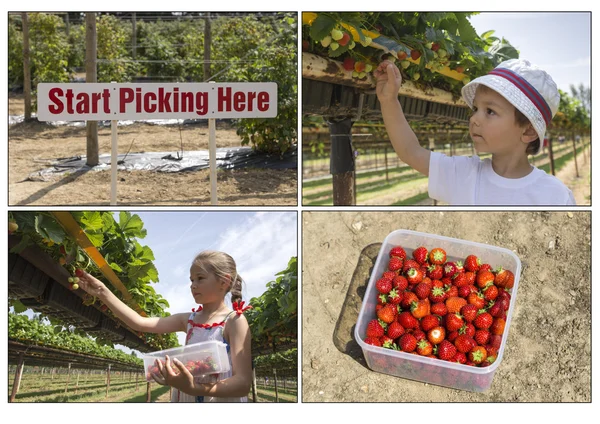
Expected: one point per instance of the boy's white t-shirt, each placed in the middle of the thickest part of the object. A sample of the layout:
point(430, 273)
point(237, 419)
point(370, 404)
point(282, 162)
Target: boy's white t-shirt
point(462, 180)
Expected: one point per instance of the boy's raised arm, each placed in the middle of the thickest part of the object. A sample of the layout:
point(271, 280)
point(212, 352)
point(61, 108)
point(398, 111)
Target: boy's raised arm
point(403, 138)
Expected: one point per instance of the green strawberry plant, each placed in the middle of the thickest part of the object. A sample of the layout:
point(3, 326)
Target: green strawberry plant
point(34, 331)
point(436, 40)
point(117, 242)
point(273, 318)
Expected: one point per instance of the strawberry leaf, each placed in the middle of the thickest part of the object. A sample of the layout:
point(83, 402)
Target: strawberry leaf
point(322, 26)
point(465, 29)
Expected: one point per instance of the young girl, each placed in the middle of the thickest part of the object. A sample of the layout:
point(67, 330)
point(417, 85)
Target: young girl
point(212, 275)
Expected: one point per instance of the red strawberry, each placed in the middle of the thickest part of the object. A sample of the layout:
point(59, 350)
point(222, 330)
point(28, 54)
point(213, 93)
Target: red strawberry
point(395, 330)
point(429, 321)
point(485, 267)
point(374, 329)
point(454, 322)
point(420, 255)
point(460, 280)
point(305, 45)
point(407, 321)
point(469, 312)
point(497, 327)
point(344, 40)
point(420, 308)
point(415, 54)
point(470, 277)
point(439, 309)
point(464, 343)
point(459, 266)
point(407, 343)
point(435, 272)
point(437, 256)
point(398, 252)
point(452, 335)
point(400, 283)
point(436, 335)
point(482, 337)
point(446, 350)
point(495, 341)
point(382, 299)
point(478, 354)
point(422, 290)
point(414, 276)
point(454, 304)
point(451, 291)
point(504, 297)
point(388, 313)
point(437, 295)
point(460, 69)
point(504, 278)
point(476, 299)
point(388, 343)
point(360, 66)
point(483, 320)
point(468, 329)
point(450, 269)
point(419, 335)
point(383, 285)
point(395, 264)
point(496, 309)
point(410, 263)
point(490, 292)
point(460, 357)
point(408, 298)
point(78, 272)
point(424, 347)
point(472, 263)
point(349, 63)
point(465, 291)
point(484, 278)
point(373, 341)
point(394, 297)
point(435, 47)
point(389, 275)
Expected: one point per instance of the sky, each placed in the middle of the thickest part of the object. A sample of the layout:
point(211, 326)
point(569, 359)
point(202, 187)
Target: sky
point(559, 43)
point(261, 243)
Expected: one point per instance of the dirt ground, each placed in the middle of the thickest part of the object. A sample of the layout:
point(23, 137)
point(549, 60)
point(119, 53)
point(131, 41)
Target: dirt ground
point(548, 353)
point(34, 144)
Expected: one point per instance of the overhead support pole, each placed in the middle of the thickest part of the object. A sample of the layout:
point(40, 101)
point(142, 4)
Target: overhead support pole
point(342, 163)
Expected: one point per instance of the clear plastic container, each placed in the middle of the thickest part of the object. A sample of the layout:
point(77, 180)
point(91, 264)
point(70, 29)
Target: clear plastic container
point(421, 368)
point(199, 358)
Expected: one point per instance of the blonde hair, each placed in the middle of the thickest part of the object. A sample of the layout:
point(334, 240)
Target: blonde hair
point(221, 265)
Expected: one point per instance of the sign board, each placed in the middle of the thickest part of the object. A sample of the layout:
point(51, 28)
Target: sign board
point(112, 101)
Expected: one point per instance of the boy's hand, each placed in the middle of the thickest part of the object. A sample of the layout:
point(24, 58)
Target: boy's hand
point(389, 80)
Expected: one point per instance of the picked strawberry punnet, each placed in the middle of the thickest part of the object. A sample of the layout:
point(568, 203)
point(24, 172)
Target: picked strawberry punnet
point(430, 306)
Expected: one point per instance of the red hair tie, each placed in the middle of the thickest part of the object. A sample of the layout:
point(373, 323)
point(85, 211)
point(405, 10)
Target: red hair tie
point(239, 307)
point(198, 309)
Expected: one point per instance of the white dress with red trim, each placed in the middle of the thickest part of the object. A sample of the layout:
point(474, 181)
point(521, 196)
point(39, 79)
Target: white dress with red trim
point(197, 333)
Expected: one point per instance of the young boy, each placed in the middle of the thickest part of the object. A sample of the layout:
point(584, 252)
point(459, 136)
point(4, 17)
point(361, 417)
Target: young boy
point(511, 106)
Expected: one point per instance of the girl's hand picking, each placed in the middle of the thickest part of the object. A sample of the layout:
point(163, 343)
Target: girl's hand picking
point(179, 377)
point(90, 284)
point(389, 80)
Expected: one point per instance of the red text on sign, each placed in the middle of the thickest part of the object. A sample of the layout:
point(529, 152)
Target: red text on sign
point(80, 103)
point(242, 102)
point(164, 101)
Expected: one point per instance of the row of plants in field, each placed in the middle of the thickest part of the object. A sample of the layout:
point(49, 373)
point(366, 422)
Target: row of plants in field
point(273, 318)
point(34, 331)
point(243, 49)
point(116, 240)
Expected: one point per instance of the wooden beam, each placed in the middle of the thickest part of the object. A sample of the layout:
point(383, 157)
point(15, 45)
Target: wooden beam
point(327, 70)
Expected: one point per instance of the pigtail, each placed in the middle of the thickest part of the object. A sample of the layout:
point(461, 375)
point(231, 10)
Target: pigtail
point(236, 289)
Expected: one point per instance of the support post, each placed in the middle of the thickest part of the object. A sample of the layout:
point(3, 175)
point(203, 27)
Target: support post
point(342, 163)
point(148, 393)
point(133, 36)
point(137, 381)
point(254, 396)
point(77, 382)
point(17, 380)
point(551, 155)
point(387, 178)
point(68, 378)
point(276, 391)
point(91, 76)
point(212, 159)
point(107, 379)
point(575, 154)
point(26, 67)
point(207, 42)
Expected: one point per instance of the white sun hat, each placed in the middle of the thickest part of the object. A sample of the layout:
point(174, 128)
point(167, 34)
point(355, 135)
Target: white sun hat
point(527, 87)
